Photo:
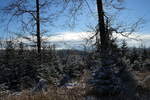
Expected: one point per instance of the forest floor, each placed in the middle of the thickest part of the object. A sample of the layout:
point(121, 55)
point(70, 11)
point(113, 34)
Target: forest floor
point(77, 93)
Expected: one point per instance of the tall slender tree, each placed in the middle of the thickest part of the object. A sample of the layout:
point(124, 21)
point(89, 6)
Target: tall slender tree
point(38, 26)
point(105, 81)
point(21, 9)
point(102, 29)
point(31, 15)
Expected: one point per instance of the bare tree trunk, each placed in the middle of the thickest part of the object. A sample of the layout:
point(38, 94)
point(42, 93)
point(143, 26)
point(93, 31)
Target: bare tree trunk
point(104, 36)
point(38, 26)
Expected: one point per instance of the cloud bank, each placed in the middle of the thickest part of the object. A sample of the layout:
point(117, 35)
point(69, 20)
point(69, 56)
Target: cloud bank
point(77, 40)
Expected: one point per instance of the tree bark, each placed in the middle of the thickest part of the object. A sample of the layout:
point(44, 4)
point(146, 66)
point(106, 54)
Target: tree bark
point(104, 35)
point(38, 26)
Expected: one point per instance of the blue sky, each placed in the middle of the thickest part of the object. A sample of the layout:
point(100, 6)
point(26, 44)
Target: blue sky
point(134, 9)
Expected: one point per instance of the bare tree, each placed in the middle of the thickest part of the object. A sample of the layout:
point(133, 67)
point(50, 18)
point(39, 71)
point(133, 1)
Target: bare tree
point(102, 29)
point(38, 26)
point(31, 16)
point(21, 8)
point(103, 32)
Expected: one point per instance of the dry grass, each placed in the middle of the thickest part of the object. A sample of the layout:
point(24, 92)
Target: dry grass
point(77, 93)
point(55, 93)
point(141, 75)
point(52, 94)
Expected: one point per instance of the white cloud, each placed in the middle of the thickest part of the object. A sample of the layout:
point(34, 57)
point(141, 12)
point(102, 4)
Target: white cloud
point(69, 36)
point(135, 39)
point(76, 39)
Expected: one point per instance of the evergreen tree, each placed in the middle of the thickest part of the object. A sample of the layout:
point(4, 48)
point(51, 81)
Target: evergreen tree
point(134, 55)
point(124, 48)
point(105, 82)
point(144, 53)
